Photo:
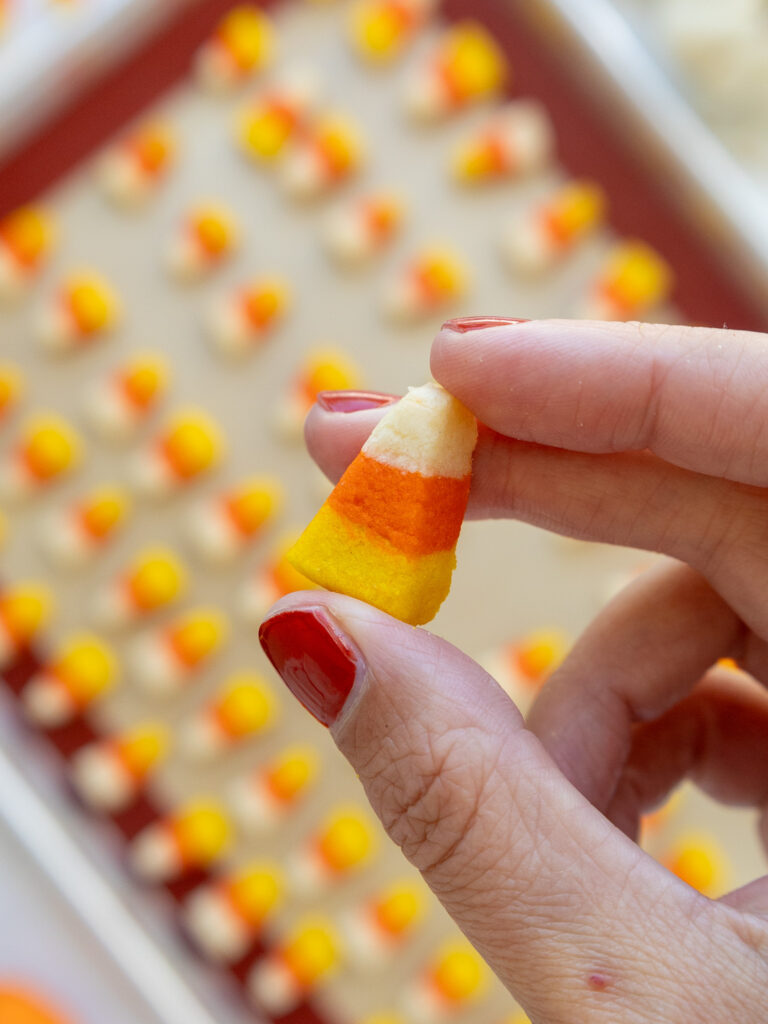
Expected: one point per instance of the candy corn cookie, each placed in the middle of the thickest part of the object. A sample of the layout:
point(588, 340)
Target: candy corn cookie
point(25, 610)
point(295, 966)
point(224, 916)
point(453, 979)
point(109, 774)
point(11, 388)
point(17, 1005)
point(267, 796)
point(377, 927)
point(242, 46)
point(26, 238)
point(387, 533)
point(131, 171)
point(193, 837)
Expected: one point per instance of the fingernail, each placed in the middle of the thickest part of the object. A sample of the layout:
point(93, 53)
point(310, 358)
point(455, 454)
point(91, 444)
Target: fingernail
point(464, 324)
point(353, 401)
point(314, 659)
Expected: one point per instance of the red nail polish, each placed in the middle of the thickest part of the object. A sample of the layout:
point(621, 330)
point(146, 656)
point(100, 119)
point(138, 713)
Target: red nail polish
point(464, 324)
point(353, 401)
point(313, 659)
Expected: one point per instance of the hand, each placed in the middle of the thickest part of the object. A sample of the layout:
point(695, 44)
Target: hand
point(653, 437)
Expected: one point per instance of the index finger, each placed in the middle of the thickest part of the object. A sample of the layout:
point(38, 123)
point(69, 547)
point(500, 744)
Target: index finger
point(694, 396)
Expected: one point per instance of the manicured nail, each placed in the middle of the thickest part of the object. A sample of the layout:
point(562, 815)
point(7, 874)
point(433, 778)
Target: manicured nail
point(314, 659)
point(464, 324)
point(353, 401)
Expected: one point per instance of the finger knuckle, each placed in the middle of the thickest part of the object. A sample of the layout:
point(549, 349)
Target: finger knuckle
point(433, 808)
point(732, 529)
point(428, 792)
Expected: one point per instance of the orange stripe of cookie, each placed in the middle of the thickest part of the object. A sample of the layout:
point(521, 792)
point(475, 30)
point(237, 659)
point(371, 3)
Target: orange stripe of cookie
point(417, 514)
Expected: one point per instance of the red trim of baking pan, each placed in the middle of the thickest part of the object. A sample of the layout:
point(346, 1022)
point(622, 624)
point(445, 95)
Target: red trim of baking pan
point(130, 86)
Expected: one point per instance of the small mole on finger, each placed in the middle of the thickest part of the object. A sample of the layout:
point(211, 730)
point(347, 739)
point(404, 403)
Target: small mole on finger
point(598, 982)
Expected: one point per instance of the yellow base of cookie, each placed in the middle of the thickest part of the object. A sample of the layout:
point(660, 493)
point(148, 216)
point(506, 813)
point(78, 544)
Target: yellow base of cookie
point(349, 559)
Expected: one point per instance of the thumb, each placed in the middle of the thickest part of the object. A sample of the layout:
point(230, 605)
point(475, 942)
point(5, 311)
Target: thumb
point(564, 907)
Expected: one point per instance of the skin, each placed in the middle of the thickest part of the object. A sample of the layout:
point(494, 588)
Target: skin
point(642, 435)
